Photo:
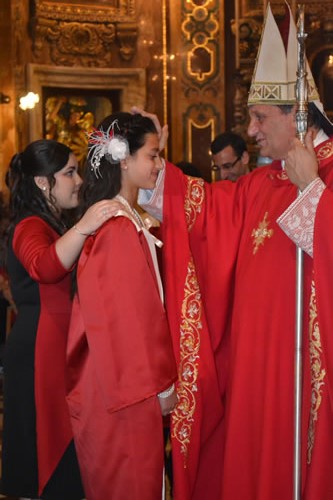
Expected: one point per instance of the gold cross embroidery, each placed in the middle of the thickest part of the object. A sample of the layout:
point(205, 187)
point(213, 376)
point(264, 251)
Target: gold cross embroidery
point(261, 233)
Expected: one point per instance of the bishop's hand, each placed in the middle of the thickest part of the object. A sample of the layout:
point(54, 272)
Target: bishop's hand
point(163, 132)
point(301, 162)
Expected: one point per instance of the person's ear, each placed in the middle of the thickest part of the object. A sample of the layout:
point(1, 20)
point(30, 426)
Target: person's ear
point(41, 182)
point(123, 165)
point(245, 158)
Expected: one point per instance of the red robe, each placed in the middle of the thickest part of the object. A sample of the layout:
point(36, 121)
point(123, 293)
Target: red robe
point(245, 266)
point(34, 245)
point(119, 358)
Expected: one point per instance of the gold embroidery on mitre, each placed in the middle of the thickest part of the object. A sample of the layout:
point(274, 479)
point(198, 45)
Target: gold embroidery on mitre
point(318, 373)
point(194, 199)
point(260, 234)
point(325, 151)
point(183, 415)
point(278, 93)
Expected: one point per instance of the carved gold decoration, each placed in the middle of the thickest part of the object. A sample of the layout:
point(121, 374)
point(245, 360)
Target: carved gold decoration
point(164, 62)
point(127, 34)
point(318, 373)
point(73, 44)
point(84, 34)
point(209, 124)
point(97, 11)
point(200, 123)
point(200, 28)
point(240, 112)
point(260, 234)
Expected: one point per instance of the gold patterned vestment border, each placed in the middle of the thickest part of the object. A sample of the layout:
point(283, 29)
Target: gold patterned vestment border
point(318, 373)
point(190, 329)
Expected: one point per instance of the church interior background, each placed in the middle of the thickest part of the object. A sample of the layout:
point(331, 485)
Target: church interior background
point(188, 61)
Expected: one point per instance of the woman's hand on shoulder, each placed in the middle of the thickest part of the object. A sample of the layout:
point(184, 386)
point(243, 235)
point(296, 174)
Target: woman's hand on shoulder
point(97, 215)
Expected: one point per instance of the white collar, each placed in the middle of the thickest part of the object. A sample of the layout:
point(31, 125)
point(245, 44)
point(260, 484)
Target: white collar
point(320, 137)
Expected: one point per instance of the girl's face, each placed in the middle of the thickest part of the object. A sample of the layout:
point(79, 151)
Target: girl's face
point(67, 184)
point(141, 170)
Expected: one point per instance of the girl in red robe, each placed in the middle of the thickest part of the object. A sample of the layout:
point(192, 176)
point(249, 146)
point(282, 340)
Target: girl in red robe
point(121, 368)
point(38, 456)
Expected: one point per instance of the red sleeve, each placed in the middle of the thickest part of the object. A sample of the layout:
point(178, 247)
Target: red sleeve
point(34, 245)
point(202, 221)
point(124, 320)
point(201, 231)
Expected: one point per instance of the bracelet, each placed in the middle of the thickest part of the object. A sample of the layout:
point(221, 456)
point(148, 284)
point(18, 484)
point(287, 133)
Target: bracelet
point(80, 232)
point(167, 392)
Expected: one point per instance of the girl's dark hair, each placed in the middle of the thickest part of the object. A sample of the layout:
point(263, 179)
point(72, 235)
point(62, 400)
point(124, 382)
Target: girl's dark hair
point(134, 129)
point(40, 158)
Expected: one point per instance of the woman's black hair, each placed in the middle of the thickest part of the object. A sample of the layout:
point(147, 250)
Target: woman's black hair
point(4, 225)
point(40, 158)
point(134, 129)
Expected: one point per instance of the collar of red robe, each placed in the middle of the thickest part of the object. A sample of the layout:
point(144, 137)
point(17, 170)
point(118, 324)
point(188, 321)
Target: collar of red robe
point(324, 153)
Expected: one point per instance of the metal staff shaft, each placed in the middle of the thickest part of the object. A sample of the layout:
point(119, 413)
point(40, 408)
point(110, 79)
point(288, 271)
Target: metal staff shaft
point(301, 126)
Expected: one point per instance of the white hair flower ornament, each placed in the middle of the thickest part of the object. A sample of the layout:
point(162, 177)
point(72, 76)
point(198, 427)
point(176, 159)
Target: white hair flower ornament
point(113, 146)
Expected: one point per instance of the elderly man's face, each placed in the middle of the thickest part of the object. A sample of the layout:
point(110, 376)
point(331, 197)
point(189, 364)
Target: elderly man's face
point(230, 165)
point(272, 129)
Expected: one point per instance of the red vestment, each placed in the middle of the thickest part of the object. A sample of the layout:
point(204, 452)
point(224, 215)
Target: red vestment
point(246, 270)
point(119, 358)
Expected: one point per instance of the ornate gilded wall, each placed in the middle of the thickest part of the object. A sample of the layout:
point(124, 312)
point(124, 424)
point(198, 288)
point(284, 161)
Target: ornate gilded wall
point(196, 86)
point(189, 61)
point(63, 47)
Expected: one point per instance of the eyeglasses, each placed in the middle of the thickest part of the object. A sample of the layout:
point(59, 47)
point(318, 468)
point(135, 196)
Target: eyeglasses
point(227, 166)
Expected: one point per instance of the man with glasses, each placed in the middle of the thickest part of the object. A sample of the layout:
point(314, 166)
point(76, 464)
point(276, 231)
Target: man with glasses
point(230, 156)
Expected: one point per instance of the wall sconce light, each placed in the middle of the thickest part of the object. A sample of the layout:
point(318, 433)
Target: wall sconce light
point(29, 101)
point(4, 99)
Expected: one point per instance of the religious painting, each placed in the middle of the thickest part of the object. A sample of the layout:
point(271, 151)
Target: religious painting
point(69, 115)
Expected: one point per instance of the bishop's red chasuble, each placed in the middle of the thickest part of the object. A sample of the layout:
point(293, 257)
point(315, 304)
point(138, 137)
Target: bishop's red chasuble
point(223, 246)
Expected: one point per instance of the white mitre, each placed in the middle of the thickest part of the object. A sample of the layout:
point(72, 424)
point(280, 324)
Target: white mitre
point(274, 77)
